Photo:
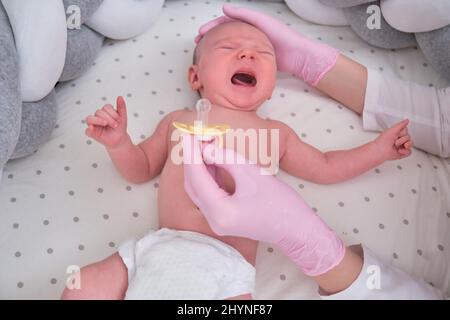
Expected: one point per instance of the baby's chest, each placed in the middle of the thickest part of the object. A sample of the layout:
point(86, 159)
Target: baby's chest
point(258, 140)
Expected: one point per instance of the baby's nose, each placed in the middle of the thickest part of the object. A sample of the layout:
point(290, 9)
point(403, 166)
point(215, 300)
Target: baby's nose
point(246, 54)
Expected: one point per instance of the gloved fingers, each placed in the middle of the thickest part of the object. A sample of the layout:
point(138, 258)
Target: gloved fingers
point(246, 176)
point(209, 25)
point(198, 182)
point(255, 18)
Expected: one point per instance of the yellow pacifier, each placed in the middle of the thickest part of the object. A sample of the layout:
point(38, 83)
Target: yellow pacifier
point(200, 127)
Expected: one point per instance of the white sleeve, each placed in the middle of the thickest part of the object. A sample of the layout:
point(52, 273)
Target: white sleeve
point(389, 100)
point(379, 281)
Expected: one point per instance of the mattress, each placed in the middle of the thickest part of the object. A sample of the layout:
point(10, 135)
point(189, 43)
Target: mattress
point(67, 206)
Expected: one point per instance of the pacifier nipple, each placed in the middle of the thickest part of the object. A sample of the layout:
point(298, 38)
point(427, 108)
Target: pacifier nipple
point(201, 128)
point(202, 107)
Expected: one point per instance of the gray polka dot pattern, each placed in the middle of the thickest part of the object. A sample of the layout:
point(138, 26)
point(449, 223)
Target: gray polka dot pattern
point(67, 204)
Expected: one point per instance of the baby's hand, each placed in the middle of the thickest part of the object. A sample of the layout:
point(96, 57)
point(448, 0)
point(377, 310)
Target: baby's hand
point(109, 126)
point(395, 143)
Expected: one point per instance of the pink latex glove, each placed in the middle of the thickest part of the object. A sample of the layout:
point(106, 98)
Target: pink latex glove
point(261, 208)
point(307, 59)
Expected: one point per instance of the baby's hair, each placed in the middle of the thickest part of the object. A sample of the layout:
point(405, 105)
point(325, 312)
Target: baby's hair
point(195, 61)
point(194, 56)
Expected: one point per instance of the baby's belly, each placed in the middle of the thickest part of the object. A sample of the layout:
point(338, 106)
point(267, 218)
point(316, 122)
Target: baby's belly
point(177, 211)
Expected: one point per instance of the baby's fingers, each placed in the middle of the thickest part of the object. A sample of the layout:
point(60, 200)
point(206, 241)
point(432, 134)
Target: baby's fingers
point(96, 121)
point(408, 145)
point(400, 126)
point(400, 141)
point(110, 110)
point(93, 131)
point(404, 152)
point(105, 116)
point(404, 132)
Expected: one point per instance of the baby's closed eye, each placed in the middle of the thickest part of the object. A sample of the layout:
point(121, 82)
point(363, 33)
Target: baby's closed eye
point(226, 48)
point(265, 52)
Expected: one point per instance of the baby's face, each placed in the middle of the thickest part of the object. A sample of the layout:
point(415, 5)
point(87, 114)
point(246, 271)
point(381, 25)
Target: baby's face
point(236, 67)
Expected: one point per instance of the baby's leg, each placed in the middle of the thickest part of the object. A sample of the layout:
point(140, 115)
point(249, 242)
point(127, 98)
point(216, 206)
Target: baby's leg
point(105, 280)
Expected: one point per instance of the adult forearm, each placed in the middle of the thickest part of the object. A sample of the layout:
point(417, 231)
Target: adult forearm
point(346, 82)
point(344, 274)
point(131, 161)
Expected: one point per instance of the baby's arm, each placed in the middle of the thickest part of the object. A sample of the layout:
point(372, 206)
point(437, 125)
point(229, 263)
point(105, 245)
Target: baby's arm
point(306, 162)
point(136, 163)
point(141, 163)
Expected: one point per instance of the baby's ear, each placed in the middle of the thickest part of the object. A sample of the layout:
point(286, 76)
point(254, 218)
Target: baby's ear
point(193, 78)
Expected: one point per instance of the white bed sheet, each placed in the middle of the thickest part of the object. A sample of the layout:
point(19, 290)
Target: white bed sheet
point(66, 205)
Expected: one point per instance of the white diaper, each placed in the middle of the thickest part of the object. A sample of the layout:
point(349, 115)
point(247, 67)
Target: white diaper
point(171, 264)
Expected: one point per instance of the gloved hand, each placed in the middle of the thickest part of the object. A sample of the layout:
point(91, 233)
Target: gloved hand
point(261, 208)
point(307, 59)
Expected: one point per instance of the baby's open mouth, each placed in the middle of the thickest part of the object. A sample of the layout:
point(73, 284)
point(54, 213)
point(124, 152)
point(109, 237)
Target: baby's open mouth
point(243, 79)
